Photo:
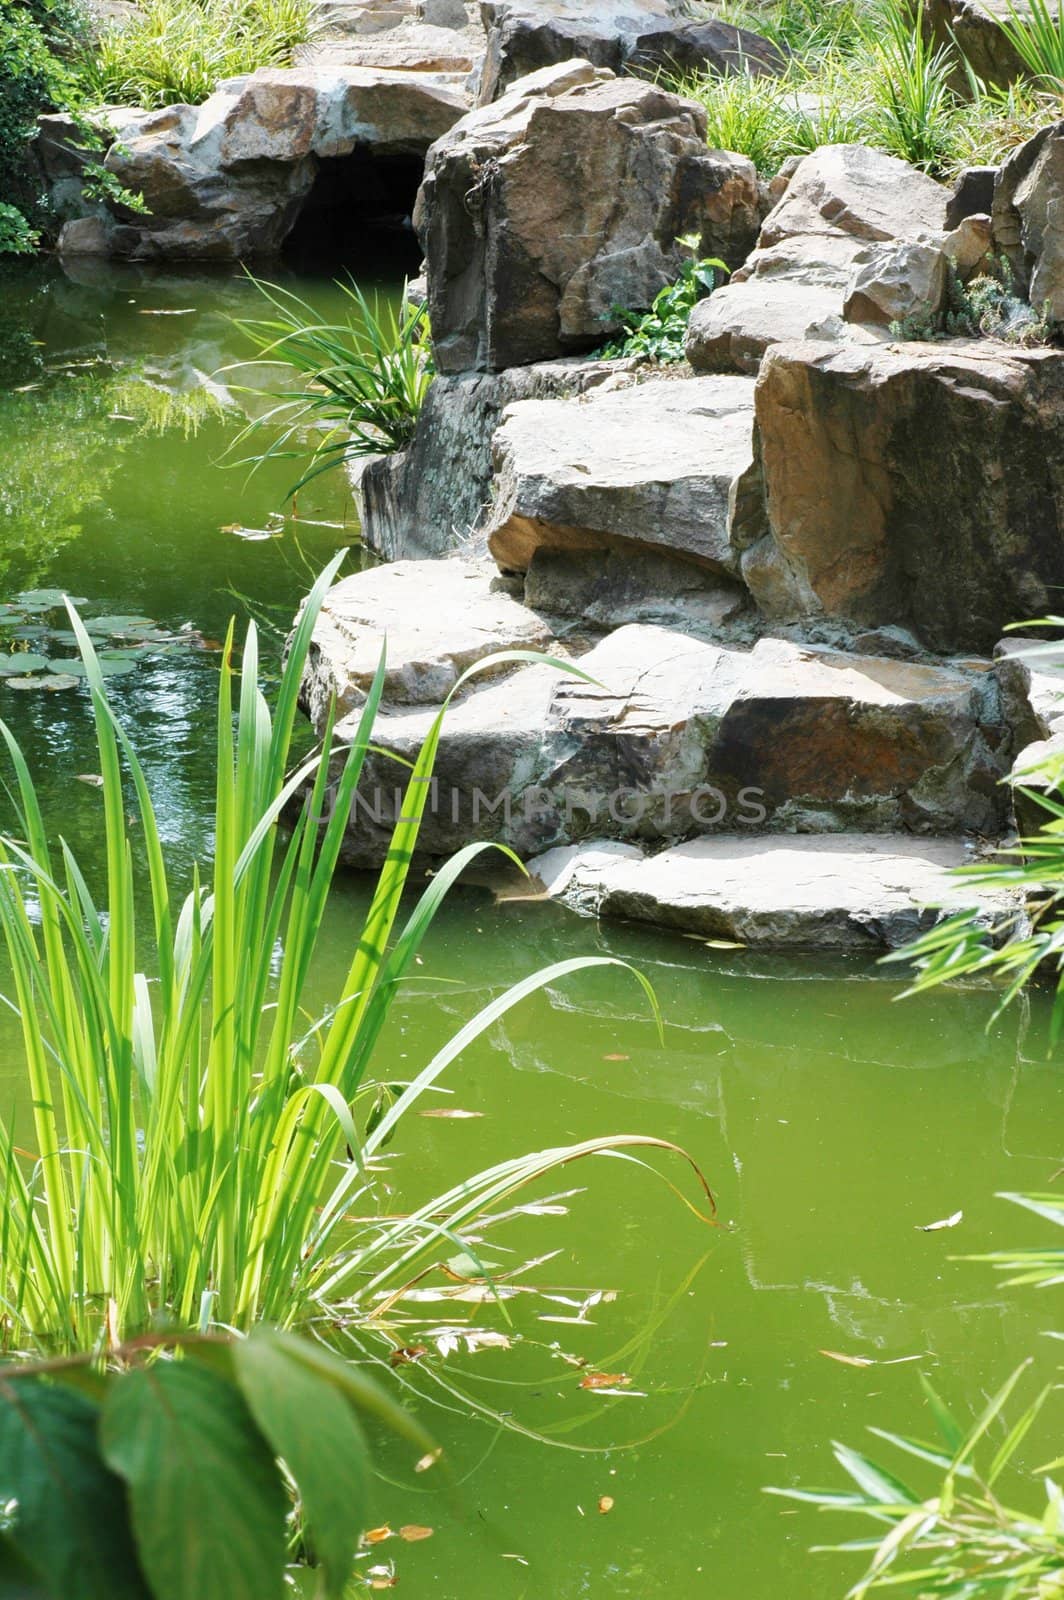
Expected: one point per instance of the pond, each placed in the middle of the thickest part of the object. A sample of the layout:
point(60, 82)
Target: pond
point(833, 1123)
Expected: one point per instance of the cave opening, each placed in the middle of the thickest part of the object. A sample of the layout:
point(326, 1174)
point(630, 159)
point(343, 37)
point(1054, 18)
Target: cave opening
point(357, 218)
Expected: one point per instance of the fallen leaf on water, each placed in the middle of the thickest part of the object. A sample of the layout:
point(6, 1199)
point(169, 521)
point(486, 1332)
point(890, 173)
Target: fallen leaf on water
point(947, 1222)
point(165, 311)
point(428, 1460)
point(616, 1057)
point(407, 1352)
point(605, 1503)
point(382, 1578)
point(93, 779)
point(848, 1361)
point(378, 1535)
point(604, 1380)
point(442, 1111)
point(412, 1533)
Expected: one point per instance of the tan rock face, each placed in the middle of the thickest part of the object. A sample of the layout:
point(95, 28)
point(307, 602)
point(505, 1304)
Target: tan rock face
point(919, 484)
point(843, 204)
point(974, 26)
point(650, 467)
point(541, 213)
point(1028, 218)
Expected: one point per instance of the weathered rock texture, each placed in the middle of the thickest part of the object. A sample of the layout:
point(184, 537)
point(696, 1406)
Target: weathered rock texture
point(435, 496)
point(1028, 218)
point(673, 738)
point(653, 466)
point(974, 26)
point(842, 200)
point(916, 484)
point(543, 212)
point(856, 892)
point(227, 179)
point(525, 35)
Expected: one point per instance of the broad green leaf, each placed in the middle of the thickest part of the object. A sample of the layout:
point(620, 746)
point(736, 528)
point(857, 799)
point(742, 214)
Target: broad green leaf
point(874, 1480)
point(18, 1581)
point(21, 664)
point(208, 1506)
point(319, 1440)
point(72, 1523)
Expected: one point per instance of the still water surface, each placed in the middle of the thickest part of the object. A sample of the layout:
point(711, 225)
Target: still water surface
point(832, 1121)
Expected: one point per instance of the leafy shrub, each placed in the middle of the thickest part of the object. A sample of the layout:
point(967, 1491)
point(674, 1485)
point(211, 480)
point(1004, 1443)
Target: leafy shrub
point(364, 379)
point(189, 1164)
point(177, 51)
point(986, 307)
point(31, 80)
point(169, 1471)
point(658, 334)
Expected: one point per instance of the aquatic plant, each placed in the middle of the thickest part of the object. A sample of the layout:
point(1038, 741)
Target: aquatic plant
point(364, 379)
point(201, 1144)
point(195, 1478)
point(176, 52)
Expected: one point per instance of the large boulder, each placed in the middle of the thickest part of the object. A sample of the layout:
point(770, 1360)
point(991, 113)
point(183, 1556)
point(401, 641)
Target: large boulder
point(653, 467)
point(974, 28)
point(664, 736)
point(542, 213)
point(526, 35)
point(435, 496)
point(1028, 218)
point(842, 202)
point(913, 484)
point(228, 179)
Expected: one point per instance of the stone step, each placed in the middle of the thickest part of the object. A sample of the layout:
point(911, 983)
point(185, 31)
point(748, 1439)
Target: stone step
point(653, 465)
point(854, 892)
point(664, 736)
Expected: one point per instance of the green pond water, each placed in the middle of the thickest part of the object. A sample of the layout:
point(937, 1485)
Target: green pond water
point(832, 1122)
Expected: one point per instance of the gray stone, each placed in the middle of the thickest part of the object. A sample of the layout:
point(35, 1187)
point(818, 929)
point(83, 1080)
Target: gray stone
point(920, 485)
point(542, 213)
point(435, 496)
point(652, 465)
point(665, 736)
point(973, 28)
point(228, 179)
point(841, 200)
point(1028, 218)
point(973, 195)
point(607, 588)
point(436, 619)
point(859, 892)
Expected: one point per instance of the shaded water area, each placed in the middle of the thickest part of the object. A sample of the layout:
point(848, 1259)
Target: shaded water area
point(832, 1122)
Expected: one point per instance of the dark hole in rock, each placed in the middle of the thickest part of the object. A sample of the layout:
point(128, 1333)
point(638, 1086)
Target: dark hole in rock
point(357, 216)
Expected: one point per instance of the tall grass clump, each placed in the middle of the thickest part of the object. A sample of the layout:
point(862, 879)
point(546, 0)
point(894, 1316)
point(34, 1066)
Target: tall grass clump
point(362, 383)
point(1036, 33)
point(176, 52)
point(864, 71)
point(201, 1146)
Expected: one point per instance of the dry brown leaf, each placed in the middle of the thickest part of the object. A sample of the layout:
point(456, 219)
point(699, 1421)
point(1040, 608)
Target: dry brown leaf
point(616, 1057)
point(604, 1380)
point(407, 1352)
point(412, 1532)
point(442, 1111)
point(428, 1460)
point(605, 1503)
point(378, 1535)
point(848, 1361)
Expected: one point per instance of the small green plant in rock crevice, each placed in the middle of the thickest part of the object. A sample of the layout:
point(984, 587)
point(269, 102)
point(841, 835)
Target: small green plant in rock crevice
point(364, 380)
point(658, 334)
point(986, 307)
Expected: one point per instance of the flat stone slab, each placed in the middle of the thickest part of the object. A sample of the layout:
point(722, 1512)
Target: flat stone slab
point(661, 737)
point(652, 465)
point(436, 618)
point(854, 892)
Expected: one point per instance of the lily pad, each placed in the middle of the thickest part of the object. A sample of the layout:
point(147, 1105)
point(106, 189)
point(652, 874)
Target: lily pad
point(18, 666)
point(51, 684)
point(118, 624)
point(108, 669)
